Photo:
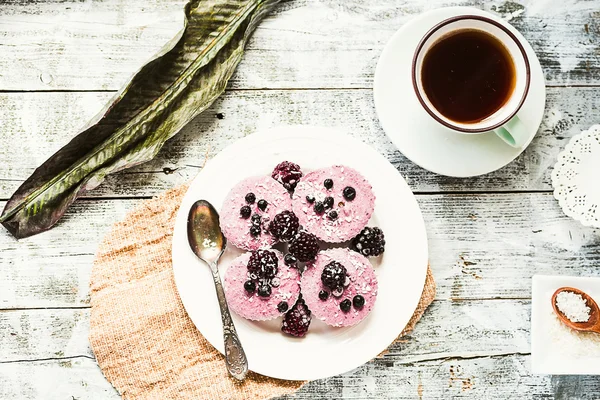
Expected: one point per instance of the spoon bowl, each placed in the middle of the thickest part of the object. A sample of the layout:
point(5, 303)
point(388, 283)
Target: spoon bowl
point(592, 324)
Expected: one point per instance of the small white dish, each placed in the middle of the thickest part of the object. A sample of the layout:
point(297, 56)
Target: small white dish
point(422, 139)
point(575, 177)
point(401, 271)
point(555, 348)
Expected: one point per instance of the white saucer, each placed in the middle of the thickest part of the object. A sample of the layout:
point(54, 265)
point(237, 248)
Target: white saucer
point(401, 271)
point(416, 134)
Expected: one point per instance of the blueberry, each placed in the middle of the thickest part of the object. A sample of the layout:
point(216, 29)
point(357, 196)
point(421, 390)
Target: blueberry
point(250, 286)
point(319, 208)
point(245, 212)
point(344, 305)
point(310, 199)
point(328, 202)
point(358, 301)
point(265, 291)
point(332, 215)
point(256, 219)
point(349, 193)
point(255, 231)
point(323, 295)
point(328, 183)
point(250, 198)
point(282, 307)
point(262, 204)
point(289, 259)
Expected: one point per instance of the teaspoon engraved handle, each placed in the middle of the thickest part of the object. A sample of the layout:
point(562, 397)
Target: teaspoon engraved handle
point(235, 357)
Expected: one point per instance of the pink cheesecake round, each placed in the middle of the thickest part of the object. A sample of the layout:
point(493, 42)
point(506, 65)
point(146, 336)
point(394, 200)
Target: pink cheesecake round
point(334, 203)
point(361, 281)
point(243, 222)
point(249, 304)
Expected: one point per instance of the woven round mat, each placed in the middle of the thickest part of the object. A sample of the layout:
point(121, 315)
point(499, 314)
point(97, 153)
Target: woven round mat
point(142, 338)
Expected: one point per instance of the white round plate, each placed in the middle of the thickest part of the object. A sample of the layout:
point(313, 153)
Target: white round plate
point(416, 134)
point(401, 271)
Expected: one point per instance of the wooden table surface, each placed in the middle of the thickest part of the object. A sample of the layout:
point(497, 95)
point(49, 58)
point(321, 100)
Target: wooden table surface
point(310, 62)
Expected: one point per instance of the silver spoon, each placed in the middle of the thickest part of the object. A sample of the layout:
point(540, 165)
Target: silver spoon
point(208, 243)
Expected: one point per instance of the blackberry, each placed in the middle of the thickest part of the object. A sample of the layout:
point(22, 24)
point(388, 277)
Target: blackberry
point(310, 199)
point(262, 204)
point(284, 226)
point(255, 231)
point(332, 215)
point(345, 305)
point(250, 198)
point(264, 291)
point(319, 208)
point(323, 295)
point(297, 320)
point(288, 174)
point(328, 202)
point(263, 263)
point(349, 193)
point(290, 260)
point(304, 247)
point(328, 183)
point(282, 307)
point(358, 301)
point(370, 242)
point(250, 286)
point(245, 212)
point(334, 275)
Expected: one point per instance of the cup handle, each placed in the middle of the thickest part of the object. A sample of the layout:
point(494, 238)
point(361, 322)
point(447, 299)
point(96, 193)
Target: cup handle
point(514, 132)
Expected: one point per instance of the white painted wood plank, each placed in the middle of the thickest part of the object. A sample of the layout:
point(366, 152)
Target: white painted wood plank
point(497, 377)
point(481, 246)
point(34, 126)
point(305, 43)
point(468, 328)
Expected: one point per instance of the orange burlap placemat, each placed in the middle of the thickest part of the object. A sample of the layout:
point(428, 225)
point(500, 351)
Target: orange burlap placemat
point(144, 342)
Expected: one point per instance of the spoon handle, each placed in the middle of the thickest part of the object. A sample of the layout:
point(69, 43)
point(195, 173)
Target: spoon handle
point(235, 357)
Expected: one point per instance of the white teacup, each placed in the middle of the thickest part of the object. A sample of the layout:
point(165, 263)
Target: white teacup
point(504, 122)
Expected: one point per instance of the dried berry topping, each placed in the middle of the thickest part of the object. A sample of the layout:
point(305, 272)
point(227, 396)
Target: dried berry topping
point(263, 263)
point(256, 219)
point(297, 320)
point(323, 295)
point(345, 305)
point(262, 204)
point(284, 226)
point(282, 307)
point(245, 212)
point(290, 260)
point(333, 275)
point(250, 286)
point(250, 198)
point(333, 215)
point(370, 242)
point(310, 199)
point(328, 183)
point(349, 193)
point(358, 301)
point(328, 202)
point(319, 208)
point(288, 174)
point(304, 246)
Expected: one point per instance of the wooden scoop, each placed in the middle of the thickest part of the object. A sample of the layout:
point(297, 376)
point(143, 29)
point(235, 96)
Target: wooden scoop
point(592, 325)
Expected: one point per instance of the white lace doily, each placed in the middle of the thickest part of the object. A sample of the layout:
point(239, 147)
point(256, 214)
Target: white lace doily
point(576, 177)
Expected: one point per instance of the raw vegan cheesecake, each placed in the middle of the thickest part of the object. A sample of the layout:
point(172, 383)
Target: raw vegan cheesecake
point(340, 287)
point(259, 286)
point(248, 209)
point(333, 203)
